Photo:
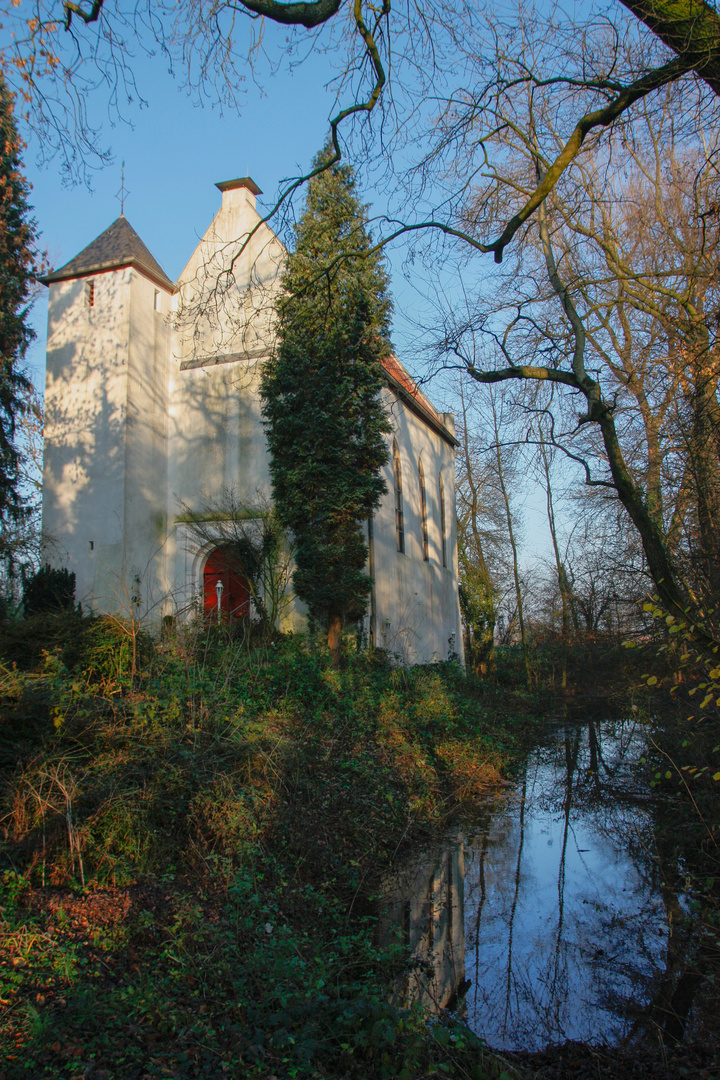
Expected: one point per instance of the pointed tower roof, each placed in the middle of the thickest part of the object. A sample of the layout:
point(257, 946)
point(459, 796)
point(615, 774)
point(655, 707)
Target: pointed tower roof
point(118, 246)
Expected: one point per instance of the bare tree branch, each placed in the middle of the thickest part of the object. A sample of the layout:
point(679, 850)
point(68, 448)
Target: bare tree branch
point(87, 16)
point(598, 118)
point(523, 371)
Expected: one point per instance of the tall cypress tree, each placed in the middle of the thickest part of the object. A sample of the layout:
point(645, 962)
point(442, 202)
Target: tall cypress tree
point(17, 271)
point(321, 398)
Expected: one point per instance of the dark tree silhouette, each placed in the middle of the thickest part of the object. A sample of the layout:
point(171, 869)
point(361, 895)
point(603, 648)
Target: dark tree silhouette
point(321, 393)
point(18, 266)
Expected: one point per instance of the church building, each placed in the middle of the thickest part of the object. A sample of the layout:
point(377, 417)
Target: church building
point(153, 414)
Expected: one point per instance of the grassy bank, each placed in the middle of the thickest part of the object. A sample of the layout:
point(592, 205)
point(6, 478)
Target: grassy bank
point(192, 852)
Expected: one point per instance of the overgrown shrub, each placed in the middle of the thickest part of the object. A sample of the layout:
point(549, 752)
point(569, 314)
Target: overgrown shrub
point(238, 809)
point(97, 648)
point(49, 589)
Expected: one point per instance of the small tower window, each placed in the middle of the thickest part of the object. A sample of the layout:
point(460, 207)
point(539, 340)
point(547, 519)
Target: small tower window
point(442, 520)
point(399, 521)
point(423, 513)
point(158, 300)
point(90, 293)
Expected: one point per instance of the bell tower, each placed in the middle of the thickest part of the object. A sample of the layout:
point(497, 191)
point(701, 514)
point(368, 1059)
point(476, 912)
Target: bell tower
point(106, 391)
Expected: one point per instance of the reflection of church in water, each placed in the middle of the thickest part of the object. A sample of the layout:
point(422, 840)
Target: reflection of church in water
point(153, 410)
point(424, 910)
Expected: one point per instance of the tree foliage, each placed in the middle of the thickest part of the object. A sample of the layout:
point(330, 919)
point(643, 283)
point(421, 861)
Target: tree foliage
point(17, 269)
point(321, 398)
point(610, 306)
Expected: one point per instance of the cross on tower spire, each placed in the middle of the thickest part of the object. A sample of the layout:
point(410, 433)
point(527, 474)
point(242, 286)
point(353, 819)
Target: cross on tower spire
point(123, 192)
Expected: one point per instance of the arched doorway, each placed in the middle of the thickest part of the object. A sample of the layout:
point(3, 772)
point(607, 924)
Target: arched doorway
point(235, 597)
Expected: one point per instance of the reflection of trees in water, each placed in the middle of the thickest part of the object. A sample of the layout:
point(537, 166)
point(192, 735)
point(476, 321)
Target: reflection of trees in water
point(686, 956)
point(511, 926)
point(669, 992)
point(576, 926)
point(615, 953)
point(659, 996)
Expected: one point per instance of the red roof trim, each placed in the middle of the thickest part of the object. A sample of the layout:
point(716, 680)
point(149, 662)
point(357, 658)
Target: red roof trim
point(135, 264)
point(410, 393)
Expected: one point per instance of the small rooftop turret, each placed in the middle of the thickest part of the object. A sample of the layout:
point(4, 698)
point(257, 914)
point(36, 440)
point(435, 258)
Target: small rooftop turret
point(244, 188)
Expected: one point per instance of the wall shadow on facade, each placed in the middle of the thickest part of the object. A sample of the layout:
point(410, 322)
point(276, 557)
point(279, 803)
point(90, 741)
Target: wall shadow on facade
point(153, 404)
point(423, 910)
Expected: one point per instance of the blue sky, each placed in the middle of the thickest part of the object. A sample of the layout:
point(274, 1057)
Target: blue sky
point(174, 153)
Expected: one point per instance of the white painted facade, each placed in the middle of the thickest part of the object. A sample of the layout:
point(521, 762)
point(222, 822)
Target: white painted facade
point(152, 407)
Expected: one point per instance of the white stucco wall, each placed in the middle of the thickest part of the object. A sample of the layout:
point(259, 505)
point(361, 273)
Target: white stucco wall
point(223, 326)
point(105, 457)
point(146, 454)
point(416, 611)
point(226, 293)
point(153, 412)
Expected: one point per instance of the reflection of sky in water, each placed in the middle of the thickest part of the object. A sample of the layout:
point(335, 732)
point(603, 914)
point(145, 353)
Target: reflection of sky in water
point(565, 922)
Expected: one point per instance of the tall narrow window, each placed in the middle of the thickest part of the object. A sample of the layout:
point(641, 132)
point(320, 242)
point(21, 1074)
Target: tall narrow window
point(371, 569)
point(423, 513)
point(399, 521)
point(442, 520)
point(431, 914)
point(90, 293)
point(406, 922)
point(450, 897)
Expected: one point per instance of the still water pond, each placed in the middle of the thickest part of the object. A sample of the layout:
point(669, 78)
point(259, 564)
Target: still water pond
point(550, 918)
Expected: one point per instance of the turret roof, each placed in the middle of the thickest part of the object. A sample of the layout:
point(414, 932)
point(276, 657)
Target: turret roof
point(118, 246)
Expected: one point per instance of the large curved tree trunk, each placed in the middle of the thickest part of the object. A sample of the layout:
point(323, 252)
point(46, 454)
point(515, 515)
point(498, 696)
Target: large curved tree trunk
point(705, 466)
point(690, 27)
point(663, 570)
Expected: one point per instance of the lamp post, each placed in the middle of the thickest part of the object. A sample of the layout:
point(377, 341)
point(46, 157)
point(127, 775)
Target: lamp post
point(219, 589)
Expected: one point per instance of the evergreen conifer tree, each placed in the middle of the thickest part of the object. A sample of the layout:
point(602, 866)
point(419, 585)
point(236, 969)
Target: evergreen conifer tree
point(321, 399)
point(17, 271)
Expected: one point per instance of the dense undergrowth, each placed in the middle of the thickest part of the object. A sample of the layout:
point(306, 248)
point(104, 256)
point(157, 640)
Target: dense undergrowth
point(192, 851)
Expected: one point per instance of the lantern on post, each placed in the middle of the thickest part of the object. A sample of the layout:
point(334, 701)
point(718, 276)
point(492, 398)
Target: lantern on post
point(219, 589)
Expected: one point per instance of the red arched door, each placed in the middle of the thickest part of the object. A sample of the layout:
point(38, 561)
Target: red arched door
point(235, 597)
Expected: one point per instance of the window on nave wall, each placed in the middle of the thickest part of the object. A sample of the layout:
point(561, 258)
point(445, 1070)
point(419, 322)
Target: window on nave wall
point(423, 512)
point(399, 520)
point(441, 488)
